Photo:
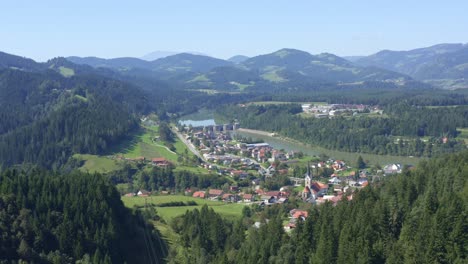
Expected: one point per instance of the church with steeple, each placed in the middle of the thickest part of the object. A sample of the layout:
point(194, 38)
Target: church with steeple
point(312, 189)
point(306, 194)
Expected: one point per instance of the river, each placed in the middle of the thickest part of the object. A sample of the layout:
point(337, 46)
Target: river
point(205, 117)
point(288, 145)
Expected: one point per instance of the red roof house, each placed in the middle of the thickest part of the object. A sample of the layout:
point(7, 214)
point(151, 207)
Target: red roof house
point(215, 193)
point(199, 194)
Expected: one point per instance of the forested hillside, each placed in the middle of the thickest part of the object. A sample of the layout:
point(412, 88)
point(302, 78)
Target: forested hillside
point(443, 65)
point(396, 133)
point(51, 218)
point(419, 216)
point(47, 117)
point(285, 69)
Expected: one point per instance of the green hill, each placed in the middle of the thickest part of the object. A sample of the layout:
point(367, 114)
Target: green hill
point(444, 65)
point(50, 218)
point(322, 67)
point(47, 117)
point(238, 58)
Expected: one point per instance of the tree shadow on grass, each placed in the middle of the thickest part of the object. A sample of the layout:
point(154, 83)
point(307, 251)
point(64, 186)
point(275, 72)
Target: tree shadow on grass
point(128, 143)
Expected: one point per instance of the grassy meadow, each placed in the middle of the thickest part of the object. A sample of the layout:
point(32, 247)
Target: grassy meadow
point(228, 210)
point(141, 144)
point(463, 134)
point(281, 102)
point(95, 163)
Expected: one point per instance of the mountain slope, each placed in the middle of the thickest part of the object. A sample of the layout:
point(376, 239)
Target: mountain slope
point(186, 62)
point(238, 58)
point(322, 67)
point(47, 117)
point(17, 62)
point(445, 65)
point(178, 63)
point(353, 58)
point(451, 65)
point(159, 54)
point(407, 62)
point(290, 69)
point(117, 63)
point(282, 68)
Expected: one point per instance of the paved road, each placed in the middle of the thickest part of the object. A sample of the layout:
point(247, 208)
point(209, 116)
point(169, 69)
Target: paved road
point(190, 146)
point(194, 150)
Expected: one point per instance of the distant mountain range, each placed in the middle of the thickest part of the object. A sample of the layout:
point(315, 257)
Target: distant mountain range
point(444, 65)
point(162, 54)
point(238, 58)
point(283, 68)
point(181, 62)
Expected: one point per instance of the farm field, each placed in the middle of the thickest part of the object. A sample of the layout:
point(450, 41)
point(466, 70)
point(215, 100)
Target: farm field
point(228, 210)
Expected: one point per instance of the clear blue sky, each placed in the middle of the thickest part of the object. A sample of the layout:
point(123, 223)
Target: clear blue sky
point(45, 29)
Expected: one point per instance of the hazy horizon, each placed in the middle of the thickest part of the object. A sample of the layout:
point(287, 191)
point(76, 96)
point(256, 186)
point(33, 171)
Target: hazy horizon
point(108, 30)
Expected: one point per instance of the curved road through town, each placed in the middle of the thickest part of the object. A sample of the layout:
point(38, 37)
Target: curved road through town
point(194, 150)
point(190, 146)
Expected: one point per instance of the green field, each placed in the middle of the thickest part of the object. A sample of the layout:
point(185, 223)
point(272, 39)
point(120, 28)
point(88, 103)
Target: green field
point(280, 103)
point(211, 92)
point(143, 144)
point(94, 163)
point(200, 78)
point(241, 86)
point(463, 134)
point(196, 170)
point(66, 72)
point(442, 106)
point(228, 210)
point(84, 99)
point(273, 77)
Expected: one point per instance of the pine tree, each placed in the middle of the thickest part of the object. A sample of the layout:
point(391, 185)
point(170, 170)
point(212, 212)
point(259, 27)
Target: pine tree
point(360, 164)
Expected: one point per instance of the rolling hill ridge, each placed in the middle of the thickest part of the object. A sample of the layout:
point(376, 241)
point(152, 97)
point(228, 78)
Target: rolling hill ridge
point(444, 65)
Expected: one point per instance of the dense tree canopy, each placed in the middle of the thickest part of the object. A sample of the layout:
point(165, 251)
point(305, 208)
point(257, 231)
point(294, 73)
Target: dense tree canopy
point(50, 218)
point(419, 216)
point(399, 132)
point(46, 118)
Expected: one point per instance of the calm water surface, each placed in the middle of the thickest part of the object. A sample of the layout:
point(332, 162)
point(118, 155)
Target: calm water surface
point(206, 118)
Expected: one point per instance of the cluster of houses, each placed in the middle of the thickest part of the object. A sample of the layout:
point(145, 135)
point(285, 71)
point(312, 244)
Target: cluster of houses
point(218, 150)
point(233, 196)
point(319, 192)
point(216, 128)
point(330, 110)
point(392, 168)
point(217, 194)
point(217, 143)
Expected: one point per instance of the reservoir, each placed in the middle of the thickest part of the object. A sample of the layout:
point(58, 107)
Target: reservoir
point(206, 118)
point(201, 118)
point(289, 145)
